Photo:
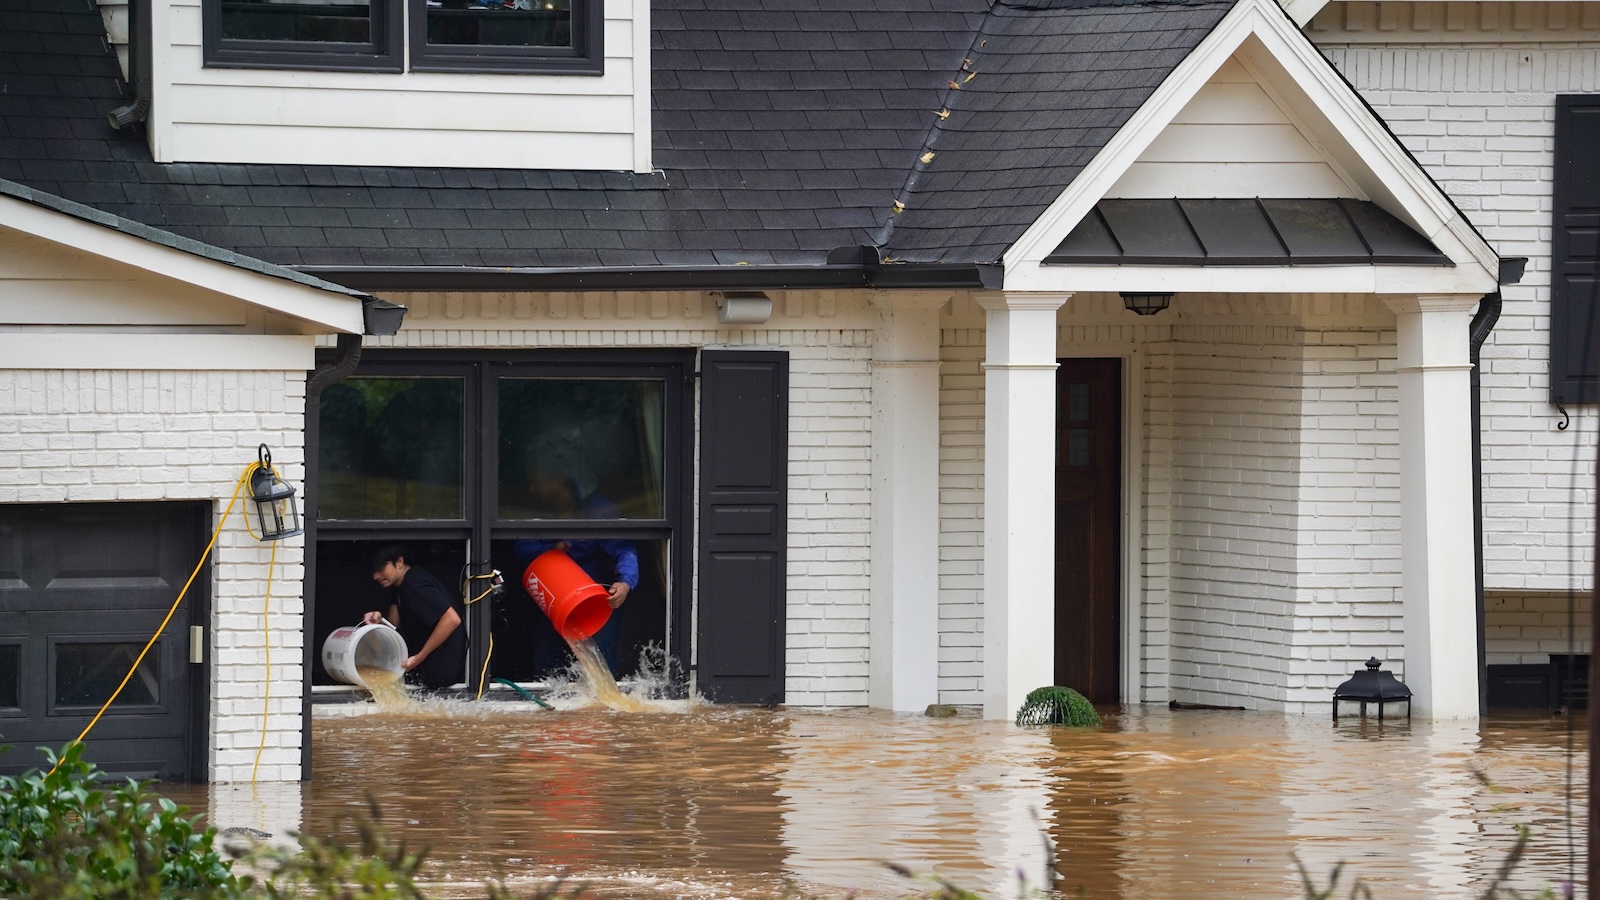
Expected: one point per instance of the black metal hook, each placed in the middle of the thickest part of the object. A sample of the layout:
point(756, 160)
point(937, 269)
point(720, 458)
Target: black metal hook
point(1565, 418)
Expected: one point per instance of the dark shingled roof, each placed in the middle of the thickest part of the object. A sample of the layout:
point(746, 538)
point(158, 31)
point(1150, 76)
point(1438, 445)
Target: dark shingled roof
point(783, 129)
point(167, 238)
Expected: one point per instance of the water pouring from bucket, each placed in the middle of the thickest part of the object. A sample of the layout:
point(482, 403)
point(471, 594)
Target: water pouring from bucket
point(372, 656)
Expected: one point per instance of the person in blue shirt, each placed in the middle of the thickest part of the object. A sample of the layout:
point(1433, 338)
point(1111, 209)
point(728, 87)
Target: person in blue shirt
point(613, 563)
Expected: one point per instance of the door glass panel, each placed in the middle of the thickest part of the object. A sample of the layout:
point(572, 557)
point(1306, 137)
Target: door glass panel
point(392, 448)
point(1077, 446)
point(86, 674)
point(586, 448)
point(501, 23)
point(271, 20)
point(1077, 402)
point(10, 676)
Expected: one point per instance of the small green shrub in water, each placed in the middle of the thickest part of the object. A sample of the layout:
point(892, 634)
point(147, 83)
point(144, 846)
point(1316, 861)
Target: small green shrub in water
point(64, 835)
point(1057, 706)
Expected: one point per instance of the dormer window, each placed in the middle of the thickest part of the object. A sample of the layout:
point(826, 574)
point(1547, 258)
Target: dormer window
point(505, 36)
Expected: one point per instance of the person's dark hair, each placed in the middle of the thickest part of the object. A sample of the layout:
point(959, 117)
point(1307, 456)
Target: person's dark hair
point(388, 553)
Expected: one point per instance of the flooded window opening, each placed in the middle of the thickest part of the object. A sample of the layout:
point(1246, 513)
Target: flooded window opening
point(586, 452)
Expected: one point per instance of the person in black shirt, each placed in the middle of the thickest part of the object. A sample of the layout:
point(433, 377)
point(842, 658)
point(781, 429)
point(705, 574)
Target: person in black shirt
point(428, 616)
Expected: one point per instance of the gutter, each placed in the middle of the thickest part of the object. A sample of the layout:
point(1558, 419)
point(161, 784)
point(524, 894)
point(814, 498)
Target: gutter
point(834, 274)
point(1483, 323)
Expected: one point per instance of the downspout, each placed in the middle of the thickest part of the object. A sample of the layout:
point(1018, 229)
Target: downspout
point(378, 317)
point(140, 43)
point(1482, 323)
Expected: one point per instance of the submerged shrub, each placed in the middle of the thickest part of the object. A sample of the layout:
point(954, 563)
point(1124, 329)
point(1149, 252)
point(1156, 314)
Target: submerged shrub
point(1055, 705)
point(64, 835)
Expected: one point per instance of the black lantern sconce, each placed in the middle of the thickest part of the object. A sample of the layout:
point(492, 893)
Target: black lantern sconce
point(277, 515)
point(1145, 304)
point(1372, 686)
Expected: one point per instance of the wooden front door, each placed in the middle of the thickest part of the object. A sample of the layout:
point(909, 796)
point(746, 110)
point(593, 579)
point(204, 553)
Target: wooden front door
point(1088, 577)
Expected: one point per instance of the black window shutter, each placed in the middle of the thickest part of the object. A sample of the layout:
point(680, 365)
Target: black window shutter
point(744, 466)
point(1575, 253)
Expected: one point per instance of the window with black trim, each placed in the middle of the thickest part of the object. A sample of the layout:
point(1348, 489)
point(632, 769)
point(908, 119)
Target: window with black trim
point(340, 34)
point(507, 36)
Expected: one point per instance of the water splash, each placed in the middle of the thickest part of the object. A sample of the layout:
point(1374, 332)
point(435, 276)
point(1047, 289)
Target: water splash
point(588, 682)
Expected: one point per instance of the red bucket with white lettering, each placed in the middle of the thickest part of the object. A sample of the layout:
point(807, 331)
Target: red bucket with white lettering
point(577, 607)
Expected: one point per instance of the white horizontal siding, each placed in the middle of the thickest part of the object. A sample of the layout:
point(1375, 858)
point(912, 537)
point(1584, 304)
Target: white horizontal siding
point(448, 119)
point(1231, 140)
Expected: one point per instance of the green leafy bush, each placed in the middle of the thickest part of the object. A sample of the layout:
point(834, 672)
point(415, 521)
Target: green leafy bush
point(1056, 705)
point(64, 835)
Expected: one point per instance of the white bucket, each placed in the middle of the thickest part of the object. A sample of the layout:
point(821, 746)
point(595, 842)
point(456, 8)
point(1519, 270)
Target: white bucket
point(356, 647)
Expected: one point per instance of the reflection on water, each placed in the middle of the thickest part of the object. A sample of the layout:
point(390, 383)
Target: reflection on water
point(719, 802)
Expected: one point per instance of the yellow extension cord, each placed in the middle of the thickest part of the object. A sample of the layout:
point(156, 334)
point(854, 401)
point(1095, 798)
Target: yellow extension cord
point(265, 627)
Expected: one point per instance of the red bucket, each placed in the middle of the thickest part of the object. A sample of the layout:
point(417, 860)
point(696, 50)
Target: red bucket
point(577, 607)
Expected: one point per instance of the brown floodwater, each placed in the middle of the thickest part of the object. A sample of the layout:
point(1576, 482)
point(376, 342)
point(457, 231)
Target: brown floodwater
point(715, 802)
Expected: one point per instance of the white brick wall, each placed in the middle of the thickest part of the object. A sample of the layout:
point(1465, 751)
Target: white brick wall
point(1527, 628)
point(1480, 120)
point(71, 436)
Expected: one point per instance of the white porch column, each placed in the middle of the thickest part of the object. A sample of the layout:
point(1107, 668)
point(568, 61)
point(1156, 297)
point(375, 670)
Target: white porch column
point(1436, 540)
point(903, 631)
point(1019, 481)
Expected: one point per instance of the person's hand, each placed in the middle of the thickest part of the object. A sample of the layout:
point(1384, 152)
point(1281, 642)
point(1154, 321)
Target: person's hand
point(619, 593)
point(372, 618)
point(410, 663)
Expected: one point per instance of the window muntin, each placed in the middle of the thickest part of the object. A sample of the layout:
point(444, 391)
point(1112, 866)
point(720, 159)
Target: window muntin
point(506, 36)
point(554, 36)
point(303, 34)
point(580, 448)
point(392, 448)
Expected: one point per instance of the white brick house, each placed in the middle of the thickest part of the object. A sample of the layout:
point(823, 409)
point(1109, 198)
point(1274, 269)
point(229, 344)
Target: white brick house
point(1471, 90)
point(948, 463)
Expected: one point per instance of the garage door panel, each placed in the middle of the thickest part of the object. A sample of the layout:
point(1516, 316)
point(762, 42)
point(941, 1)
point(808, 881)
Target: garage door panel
point(82, 589)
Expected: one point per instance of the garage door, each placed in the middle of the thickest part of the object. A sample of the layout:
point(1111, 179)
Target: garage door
point(82, 588)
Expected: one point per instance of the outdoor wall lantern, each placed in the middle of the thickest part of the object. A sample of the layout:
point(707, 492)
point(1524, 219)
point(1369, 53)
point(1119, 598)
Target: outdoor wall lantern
point(277, 515)
point(1145, 304)
point(743, 308)
point(1372, 686)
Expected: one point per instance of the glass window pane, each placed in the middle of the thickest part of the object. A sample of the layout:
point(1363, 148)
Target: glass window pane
point(10, 676)
point(1078, 447)
point(580, 448)
point(1077, 403)
point(266, 20)
point(392, 448)
point(500, 23)
point(86, 674)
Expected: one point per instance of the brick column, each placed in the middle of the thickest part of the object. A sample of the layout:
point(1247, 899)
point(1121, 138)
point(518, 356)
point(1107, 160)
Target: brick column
point(1019, 479)
point(1437, 577)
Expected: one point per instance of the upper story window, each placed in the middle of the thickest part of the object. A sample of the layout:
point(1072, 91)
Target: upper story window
point(507, 36)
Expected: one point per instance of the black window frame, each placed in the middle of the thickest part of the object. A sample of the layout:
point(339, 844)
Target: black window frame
point(586, 56)
point(1571, 312)
point(384, 53)
point(393, 40)
point(481, 525)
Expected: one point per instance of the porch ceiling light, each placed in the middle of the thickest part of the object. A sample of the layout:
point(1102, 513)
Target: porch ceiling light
point(277, 515)
point(1372, 686)
point(1145, 304)
point(743, 308)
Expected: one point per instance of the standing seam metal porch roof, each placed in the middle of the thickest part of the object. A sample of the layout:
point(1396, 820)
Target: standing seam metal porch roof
point(783, 129)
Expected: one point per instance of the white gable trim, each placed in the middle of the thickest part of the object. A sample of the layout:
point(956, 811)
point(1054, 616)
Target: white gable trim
point(322, 311)
point(163, 352)
point(1263, 36)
